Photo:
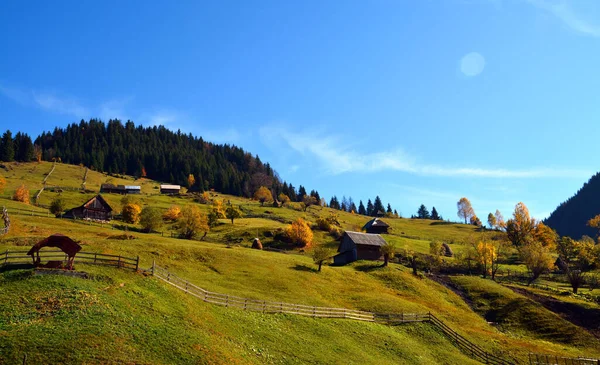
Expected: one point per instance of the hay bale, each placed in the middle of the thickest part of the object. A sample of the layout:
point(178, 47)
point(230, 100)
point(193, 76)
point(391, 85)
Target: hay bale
point(256, 244)
point(447, 250)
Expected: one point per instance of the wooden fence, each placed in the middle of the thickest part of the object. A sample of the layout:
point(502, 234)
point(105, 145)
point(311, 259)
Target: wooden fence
point(231, 301)
point(539, 359)
point(9, 258)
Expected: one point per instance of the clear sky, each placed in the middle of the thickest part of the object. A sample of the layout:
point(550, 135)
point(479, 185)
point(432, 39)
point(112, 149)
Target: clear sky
point(415, 101)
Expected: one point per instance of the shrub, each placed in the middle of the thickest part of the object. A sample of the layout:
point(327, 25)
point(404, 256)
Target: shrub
point(192, 222)
point(57, 207)
point(172, 214)
point(21, 195)
point(299, 233)
point(131, 213)
point(323, 224)
point(388, 250)
point(321, 254)
point(151, 219)
point(204, 198)
point(336, 232)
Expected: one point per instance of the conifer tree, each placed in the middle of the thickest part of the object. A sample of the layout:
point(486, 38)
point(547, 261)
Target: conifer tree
point(361, 208)
point(423, 213)
point(434, 214)
point(377, 206)
point(369, 208)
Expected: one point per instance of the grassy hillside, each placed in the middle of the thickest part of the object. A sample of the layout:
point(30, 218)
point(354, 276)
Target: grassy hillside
point(144, 317)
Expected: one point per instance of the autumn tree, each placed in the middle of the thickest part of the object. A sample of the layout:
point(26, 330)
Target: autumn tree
point(263, 195)
point(2, 184)
point(521, 226)
point(307, 201)
point(389, 251)
point(486, 255)
point(192, 222)
point(191, 180)
point(299, 233)
point(594, 222)
point(537, 259)
point(21, 194)
point(474, 220)
point(37, 153)
point(131, 213)
point(172, 214)
point(57, 207)
point(204, 198)
point(151, 219)
point(500, 223)
point(465, 210)
point(233, 213)
point(436, 252)
point(545, 235)
point(491, 220)
point(577, 257)
point(321, 254)
point(218, 208)
point(284, 199)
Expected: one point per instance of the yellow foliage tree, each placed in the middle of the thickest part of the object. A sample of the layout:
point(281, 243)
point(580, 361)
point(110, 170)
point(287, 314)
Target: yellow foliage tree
point(204, 198)
point(2, 183)
point(284, 199)
point(486, 255)
point(172, 214)
point(299, 233)
point(263, 195)
point(218, 208)
point(520, 228)
point(131, 213)
point(37, 152)
point(21, 194)
point(465, 210)
point(192, 222)
point(191, 180)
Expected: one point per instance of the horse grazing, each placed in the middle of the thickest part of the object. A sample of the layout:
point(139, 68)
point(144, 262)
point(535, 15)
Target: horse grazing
point(67, 245)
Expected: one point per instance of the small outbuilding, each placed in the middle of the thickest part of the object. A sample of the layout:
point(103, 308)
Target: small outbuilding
point(170, 189)
point(112, 189)
point(96, 208)
point(359, 246)
point(132, 189)
point(376, 225)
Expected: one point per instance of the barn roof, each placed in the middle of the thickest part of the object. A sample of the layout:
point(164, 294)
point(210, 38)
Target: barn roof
point(99, 199)
point(167, 186)
point(375, 222)
point(369, 239)
point(133, 187)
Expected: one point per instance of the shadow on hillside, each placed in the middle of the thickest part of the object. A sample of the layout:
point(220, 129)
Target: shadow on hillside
point(300, 267)
point(368, 267)
point(440, 223)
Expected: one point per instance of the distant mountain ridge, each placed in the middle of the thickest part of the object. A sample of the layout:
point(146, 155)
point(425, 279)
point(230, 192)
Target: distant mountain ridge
point(570, 217)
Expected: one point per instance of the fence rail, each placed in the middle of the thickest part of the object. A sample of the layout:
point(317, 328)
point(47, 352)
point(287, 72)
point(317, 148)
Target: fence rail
point(226, 300)
point(8, 258)
point(539, 359)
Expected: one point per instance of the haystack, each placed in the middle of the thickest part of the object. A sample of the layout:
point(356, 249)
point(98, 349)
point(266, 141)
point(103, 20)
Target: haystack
point(446, 250)
point(256, 244)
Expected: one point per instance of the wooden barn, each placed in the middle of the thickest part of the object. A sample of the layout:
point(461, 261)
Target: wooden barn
point(359, 246)
point(377, 226)
point(96, 208)
point(120, 189)
point(170, 189)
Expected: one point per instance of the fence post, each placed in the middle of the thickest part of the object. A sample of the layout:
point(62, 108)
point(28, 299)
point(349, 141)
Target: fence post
point(95, 256)
point(186, 286)
point(119, 263)
point(245, 302)
point(154, 265)
point(137, 264)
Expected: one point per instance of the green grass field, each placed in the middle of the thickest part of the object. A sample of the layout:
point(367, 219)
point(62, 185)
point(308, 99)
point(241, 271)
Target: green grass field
point(144, 321)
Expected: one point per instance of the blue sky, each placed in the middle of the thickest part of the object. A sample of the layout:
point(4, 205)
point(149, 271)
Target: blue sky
point(415, 101)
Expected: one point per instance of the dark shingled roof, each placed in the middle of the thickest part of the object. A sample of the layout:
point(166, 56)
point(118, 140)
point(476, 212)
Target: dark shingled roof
point(375, 222)
point(366, 239)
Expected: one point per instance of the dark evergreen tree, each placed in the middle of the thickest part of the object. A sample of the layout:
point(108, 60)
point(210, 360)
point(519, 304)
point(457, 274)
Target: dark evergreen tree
point(396, 213)
point(369, 208)
point(361, 208)
point(7, 152)
point(434, 214)
point(315, 194)
point(389, 208)
point(423, 213)
point(334, 203)
point(352, 208)
point(377, 207)
point(301, 193)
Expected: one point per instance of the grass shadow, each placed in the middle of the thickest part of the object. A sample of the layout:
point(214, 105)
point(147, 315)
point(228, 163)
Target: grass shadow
point(300, 267)
point(368, 267)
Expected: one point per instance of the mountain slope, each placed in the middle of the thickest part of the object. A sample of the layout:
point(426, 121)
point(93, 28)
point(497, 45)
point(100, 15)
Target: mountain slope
point(570, 218)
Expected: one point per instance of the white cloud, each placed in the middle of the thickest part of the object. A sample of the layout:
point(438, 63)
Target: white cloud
point(563, 11)
point(46, 100)
point(472, 64)
point(337, 160)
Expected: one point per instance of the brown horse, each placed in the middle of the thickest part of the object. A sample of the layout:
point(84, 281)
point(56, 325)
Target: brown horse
point(67, 245)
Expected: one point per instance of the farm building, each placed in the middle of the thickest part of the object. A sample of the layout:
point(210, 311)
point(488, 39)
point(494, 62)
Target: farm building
point(120, 189)
point(359, 246)
point(170, 189)
point(96, 208)
point(376, 225)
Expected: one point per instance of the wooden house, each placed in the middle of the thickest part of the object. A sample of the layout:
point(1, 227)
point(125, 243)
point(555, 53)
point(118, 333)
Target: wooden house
point(170, 189)
point(96, 208)
point(132, 189)
point(120, 189)
point(359, 246)
point(376, 225)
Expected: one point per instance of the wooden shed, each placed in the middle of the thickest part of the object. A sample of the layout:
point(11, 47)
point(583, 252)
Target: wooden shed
point(96, 208)
point(377, 226)
point(359, 246)
point(112, 189)
point(170, 189)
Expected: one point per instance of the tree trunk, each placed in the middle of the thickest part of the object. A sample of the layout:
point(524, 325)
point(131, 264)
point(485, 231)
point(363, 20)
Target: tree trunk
point(386, 259)
point(320, 263)
point(413, 263)
point(231, 220)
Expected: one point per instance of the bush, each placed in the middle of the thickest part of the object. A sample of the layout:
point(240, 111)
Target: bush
point(299, 233)
point(21, 195)
point(57, 207)
point(204, 198)
point(131, 213)
point(172, 214)
point(151, 219)
point(323, 224)
point(336, 232)
point(192, 222)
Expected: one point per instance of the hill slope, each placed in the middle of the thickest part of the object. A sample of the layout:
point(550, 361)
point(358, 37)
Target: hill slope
point(570, 218)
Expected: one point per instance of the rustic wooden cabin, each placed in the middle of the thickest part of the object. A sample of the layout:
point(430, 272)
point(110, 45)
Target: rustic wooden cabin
point(132, 189)
point(112, 189)
point(96, 208)
point(359, 246)
point(377, 226)
point(170, 189)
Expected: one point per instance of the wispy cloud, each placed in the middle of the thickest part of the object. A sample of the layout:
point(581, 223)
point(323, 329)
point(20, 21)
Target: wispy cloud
point(563, 11)
point(337, 160)
point(49, 101)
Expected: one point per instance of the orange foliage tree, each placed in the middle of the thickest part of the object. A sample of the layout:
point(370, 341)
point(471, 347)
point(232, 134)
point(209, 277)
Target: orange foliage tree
point(172, 214)
point(263, 195)
point(2, 183)
point(299, 233)
point(465, 210)
point(191, 180)
point(21, 194)
point(131, 213)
